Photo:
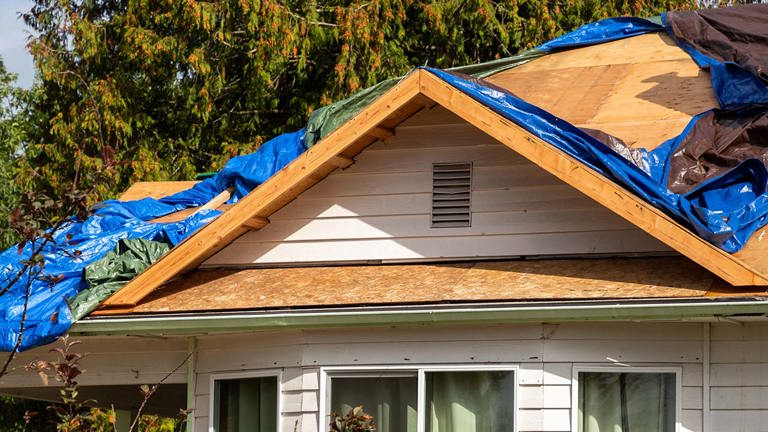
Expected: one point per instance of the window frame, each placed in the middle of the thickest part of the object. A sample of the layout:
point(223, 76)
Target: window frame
point(277, 373)
point(417, 370)
point(577, 368)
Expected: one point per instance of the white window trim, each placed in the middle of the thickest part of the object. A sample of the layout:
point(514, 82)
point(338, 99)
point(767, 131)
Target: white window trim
point(418, 370)
point(677, 370)
point(277, 373)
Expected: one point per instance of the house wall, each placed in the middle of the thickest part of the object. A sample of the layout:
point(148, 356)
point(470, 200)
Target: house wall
point(545, 354)
point(379, 208)
point(739, 377)
point(736, 355)
point(110, 361)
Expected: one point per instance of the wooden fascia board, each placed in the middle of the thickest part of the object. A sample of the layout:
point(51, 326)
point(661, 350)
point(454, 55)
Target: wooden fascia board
point(281, 188)
point(591, 183)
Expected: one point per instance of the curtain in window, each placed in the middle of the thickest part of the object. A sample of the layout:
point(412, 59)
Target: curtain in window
point(626, 402)
point(480, 401)
point(390, 400)
point(246, 405)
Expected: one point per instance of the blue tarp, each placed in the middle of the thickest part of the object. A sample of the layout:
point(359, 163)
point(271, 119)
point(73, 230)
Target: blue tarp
point(81, 243)
point(606, 30)
point(724, 210)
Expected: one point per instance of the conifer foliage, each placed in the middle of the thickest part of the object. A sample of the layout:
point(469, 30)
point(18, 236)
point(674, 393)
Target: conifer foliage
point(163, 89)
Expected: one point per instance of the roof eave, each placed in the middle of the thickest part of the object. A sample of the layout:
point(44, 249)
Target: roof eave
point(456, 314)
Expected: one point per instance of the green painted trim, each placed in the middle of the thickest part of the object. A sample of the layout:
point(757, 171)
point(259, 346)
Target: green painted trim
point(467, 314)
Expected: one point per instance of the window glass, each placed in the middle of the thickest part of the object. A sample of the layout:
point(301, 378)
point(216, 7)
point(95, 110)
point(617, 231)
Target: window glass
point(391, 400)
point(245, 405)
point(476, 401)
point(626, 402)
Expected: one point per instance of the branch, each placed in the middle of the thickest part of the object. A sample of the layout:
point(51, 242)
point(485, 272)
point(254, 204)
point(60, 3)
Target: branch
point(16, 346)
point(148, 391)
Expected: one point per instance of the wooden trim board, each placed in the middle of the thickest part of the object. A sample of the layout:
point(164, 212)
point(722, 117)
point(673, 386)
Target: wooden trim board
point(414, 92)
point(141, 190)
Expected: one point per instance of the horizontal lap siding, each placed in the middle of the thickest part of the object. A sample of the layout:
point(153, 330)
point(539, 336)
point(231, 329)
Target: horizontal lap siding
point(379, 208)
point(545, 355)
point(111, 361)
point(739, 377)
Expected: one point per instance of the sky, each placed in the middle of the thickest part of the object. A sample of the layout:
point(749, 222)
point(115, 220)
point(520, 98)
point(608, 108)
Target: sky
point(13, 39)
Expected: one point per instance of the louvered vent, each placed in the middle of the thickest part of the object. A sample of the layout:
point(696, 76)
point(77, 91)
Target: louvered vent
point(451, 195)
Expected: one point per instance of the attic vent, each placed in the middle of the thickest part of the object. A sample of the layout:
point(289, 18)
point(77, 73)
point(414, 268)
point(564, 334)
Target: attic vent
point(451, 195)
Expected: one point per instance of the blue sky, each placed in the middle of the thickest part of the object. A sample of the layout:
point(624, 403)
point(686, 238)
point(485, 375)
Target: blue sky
point(13, 39)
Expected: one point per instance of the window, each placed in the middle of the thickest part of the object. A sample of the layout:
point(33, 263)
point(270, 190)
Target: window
point(245, 404)
point(629, 400)
point(467, 399)
point(390, 399)
point(475, 401)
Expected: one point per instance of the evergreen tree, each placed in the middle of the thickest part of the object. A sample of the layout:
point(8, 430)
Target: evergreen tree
point(163, 89)
point(14, 128)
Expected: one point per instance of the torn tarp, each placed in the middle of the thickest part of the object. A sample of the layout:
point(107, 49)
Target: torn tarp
point(718, 141)
point(733, 44)
point(724, 211)
point(736, 35)
point(81, 244)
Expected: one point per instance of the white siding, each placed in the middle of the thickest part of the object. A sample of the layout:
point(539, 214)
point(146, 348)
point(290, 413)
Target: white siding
point(379, 208)
point(111, 361)
point(739, 377)
point(545, 355)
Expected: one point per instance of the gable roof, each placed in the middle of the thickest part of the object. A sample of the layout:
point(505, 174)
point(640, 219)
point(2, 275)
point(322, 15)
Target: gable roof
point(418, 90)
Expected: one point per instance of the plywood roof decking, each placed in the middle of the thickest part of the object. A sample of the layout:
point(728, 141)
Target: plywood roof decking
point(532, 280)
point(141, 190)
point(642, 89)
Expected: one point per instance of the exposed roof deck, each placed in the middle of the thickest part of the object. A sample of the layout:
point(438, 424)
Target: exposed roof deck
point(543, 280)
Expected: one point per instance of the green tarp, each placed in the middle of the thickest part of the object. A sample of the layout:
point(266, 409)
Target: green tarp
point(118, 267)
point(328, 118)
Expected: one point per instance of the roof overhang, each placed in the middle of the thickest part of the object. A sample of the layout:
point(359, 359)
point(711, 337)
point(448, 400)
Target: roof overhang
point(729, 309)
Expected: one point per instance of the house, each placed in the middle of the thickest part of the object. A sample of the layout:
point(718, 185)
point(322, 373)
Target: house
point(452, 270)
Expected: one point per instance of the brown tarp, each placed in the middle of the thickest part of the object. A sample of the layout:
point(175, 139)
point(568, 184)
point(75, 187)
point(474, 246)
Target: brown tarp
point(737, 34)
point(719, 141)
point(722, 139)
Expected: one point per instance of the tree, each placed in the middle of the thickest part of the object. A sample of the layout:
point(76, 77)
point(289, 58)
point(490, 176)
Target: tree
point(14, 126)
point(164, 89)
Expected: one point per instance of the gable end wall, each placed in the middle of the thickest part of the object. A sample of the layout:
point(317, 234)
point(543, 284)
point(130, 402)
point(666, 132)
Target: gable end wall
point(379, 208)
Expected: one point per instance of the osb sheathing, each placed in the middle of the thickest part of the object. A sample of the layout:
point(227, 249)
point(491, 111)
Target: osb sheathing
point(525, 280)
point(642, 89)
